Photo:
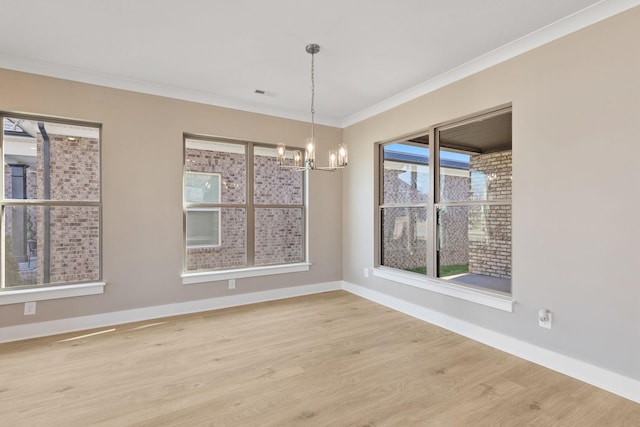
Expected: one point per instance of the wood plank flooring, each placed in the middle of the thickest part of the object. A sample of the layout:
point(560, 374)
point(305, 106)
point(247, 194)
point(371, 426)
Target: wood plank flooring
point(331, 359)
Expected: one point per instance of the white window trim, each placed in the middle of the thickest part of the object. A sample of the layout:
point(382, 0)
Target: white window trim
point(17, 296)
point(240, 273)
point(479, 296)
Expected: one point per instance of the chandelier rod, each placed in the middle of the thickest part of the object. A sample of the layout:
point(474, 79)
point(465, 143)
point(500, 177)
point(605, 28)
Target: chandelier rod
point(313, 49)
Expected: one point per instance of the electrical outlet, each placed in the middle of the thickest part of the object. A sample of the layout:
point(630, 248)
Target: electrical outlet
point(366, 272)
point(29, 308)
point(232, 283)
point(544, 318)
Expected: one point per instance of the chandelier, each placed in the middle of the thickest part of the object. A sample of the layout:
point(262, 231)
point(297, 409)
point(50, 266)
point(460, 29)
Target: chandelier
point(337, 158)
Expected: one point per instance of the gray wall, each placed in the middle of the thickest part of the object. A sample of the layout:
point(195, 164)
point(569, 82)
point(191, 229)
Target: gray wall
point(576, 128)
point(142, 162)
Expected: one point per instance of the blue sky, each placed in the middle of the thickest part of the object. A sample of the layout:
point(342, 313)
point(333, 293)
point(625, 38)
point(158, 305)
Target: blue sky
point(424, 151)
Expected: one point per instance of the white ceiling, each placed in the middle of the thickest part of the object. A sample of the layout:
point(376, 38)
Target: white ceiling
point(374, 53)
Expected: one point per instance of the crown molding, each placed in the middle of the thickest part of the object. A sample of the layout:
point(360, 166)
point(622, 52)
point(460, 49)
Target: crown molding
point(570, 24)
point(64, 72)
point(579, 20)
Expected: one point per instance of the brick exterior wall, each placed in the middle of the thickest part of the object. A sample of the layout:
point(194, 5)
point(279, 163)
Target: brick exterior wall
point(490, 251)
point(74, 231)
point(232, 251)
point(275, 186)
point(479, 236)
point(279, 232)
point(402, 247)
point(407, 249)
point(279, 235)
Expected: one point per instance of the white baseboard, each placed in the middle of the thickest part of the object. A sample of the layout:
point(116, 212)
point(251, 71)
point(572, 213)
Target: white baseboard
point(599, 377)
point(590, 374)
point(73, 324)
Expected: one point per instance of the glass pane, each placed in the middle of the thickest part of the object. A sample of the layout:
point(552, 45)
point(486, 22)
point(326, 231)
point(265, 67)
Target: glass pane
point(475, 177)
point(232, 251)
point(272, 184)
point(454, 176)
point(406, 174)
point(279, 235)
point(203, 227)
point(202, 187)
point(404, 238)
point(226, 159)
point(51, 161)
point(474, 245)
point(475, 160)
point(57, 244)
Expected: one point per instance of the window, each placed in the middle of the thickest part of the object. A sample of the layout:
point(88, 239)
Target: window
point(445, 203)
point(241, 209)
point(203, 224)
point(51, 204)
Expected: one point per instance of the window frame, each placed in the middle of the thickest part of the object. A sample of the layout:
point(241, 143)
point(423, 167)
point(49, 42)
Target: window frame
point(45, 291)
point(431, 281)
point(250, 207)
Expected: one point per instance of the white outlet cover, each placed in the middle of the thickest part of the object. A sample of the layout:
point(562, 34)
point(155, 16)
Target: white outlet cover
point(546, 323)
point(29, 308)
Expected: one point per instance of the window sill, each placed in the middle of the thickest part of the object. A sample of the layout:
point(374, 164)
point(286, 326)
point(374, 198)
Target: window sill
point(478, 296)
point(18, 296)
point(214, 276)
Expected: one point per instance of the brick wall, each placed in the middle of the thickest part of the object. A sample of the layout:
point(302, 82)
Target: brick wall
point(232, 168)
point(279, 235)
point(274, 185)
point(404, 245)
point(74, 231)
point(479, 236)
point(490, 226)
point(279, 232)
point(232, 252)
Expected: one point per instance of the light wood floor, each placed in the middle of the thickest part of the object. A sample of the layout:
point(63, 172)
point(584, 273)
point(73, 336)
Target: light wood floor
point(332, 359)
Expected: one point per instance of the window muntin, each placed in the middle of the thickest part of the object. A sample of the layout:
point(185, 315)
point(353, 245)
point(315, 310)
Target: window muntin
point(51, 210)
point(260, 207)
point(468, 222)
